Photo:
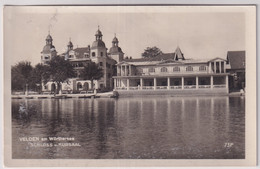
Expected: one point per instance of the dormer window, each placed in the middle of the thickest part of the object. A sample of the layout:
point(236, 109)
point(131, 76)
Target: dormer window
point(176, 69)
point(189, 68)
point(163, 69)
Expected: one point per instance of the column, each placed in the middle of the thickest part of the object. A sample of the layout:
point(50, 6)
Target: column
point(141, 83)
point(121, 71)
point(182, 83)
point(197, 82)
point(125, 71)
point(225, 66)
point(227, 83)
point(168, 83)
point(210, 67)
point(130, 71)
point(215, 70)
point(220, 67)
point(127, 83)
point(211, 82)
point(154, 83)
point(115, 83)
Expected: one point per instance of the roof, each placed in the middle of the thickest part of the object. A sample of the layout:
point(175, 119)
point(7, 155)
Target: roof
point(115, 40)
point(79, 52)
point(98, 43)
point(164, 56)
point(48, 48)
point(115, 50)
point(48, 37)
point(236, 59)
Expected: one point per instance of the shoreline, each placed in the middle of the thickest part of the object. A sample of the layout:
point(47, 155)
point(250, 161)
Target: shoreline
point(107, 95)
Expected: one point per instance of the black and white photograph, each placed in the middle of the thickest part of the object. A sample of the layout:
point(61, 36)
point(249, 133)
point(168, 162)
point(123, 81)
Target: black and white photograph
point(130, 83)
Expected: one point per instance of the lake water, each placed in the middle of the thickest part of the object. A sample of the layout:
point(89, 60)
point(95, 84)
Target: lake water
point(129, 128)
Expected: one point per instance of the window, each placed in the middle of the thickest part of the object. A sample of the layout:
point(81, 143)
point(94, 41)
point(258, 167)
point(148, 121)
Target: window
point(93, 54)
point(109, 75)
point(189, 68)
point(176, 69)
point(108, 65)
point(151, 69)
point(202, 68)
point(100, 63)
point(141, 70)
point(163, 69)
point(70, 56)
point(101, 53)
point(46, 57)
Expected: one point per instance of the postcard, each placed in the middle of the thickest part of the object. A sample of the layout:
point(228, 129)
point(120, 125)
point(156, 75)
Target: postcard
point(116, 86)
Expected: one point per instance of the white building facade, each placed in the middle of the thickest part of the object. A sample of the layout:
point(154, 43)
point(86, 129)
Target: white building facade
point(171, 73)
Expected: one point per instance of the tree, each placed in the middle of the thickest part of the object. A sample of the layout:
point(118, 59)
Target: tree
point(60, 71)
point(151, 52)
point(92, 72)
point(40, 74)
point(21, 74)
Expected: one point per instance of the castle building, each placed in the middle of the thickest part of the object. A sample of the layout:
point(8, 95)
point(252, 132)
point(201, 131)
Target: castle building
point(171, 73)
point(80, 57)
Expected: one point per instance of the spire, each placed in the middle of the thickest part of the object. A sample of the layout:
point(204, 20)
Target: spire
point(178, 54)
point(98, 34)
point(115, 41)
point(70, 45)
point(48, 39)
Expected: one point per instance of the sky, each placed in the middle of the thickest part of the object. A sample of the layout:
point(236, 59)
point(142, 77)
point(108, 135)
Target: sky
point(201, 33)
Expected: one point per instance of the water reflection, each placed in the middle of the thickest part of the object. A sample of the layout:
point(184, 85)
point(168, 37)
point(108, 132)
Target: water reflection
point(158, 127)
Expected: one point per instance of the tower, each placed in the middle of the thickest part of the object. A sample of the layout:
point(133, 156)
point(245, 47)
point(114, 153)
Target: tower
point(98, 48)
point(69, 48)
point(115, 51)
point(48, 51)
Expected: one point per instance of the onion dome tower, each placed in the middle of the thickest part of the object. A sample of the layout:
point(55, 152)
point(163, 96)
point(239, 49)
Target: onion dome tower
point(98, 48)
point(69, 48)
point(115, 51)
point(48, 51)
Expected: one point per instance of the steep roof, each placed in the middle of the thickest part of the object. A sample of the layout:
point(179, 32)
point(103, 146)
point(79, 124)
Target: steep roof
point(236, 59)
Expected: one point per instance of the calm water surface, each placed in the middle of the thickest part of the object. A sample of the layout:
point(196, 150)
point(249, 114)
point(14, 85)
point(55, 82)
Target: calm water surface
point(131, 128)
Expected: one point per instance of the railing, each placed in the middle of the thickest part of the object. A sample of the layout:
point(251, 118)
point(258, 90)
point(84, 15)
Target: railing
point(147, 87)
point(175, 87)
point(121, 88)
point(161, 87)
point(204, 86)
point(134, 88)
point(190, 87)
point(219, 86)
point(170, 88)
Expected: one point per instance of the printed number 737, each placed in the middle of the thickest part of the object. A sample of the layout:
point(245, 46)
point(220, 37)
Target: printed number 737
point(228, 145)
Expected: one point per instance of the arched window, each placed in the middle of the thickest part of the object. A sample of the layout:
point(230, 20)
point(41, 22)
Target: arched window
point(163, 69)
point(202, 68)
point(151, 69)
point(189, 68)
point(93, 54)
point(176, 69)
